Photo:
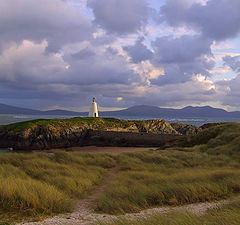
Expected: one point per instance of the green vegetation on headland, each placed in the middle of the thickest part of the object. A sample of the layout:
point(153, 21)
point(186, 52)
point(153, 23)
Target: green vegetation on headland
point(208, 169)
point(61, 133)
point(21, 126)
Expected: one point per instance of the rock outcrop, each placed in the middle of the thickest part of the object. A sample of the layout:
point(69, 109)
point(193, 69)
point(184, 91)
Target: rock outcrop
point(156, 127)
point(185, 129)
point(56, 133)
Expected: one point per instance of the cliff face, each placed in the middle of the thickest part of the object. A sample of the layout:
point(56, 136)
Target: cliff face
point(46, 134)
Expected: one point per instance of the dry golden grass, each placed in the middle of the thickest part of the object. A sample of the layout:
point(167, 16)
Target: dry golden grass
point(44, 184)
point(226, 215)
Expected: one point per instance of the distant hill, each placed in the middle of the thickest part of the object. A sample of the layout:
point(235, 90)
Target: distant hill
point(7, 109)
point(135, 111)
point(187, 112)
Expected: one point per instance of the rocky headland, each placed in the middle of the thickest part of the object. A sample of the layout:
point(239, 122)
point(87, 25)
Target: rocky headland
point(60, 133)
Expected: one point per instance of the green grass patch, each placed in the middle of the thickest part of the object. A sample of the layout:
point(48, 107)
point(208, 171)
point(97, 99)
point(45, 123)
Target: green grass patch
point(22, 126)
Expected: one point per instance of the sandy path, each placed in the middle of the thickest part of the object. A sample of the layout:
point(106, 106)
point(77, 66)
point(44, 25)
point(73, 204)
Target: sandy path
point(110, 150)
point(84, 215)
point(84, 212)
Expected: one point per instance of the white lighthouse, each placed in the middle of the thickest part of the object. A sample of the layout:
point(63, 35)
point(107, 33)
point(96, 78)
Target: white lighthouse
point(93, 111)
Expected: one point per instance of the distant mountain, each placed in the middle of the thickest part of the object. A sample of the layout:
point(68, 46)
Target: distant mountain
point(135, 111)
point(7, 109)
point(187, 112)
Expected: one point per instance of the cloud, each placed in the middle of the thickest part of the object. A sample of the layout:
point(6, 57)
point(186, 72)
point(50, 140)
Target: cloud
point(138, 52)
point(233, 62)
point(27, 72)
point(120, 17)
point(182, 73)
point(40, 20)
point(27, 64)
point(184, 49)
point(61, 53)
point(83, 54)
point(230, 92)
point(216, 19)
point(194, 91)
point(181, 58)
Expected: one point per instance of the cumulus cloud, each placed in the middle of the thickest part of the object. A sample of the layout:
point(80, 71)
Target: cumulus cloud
point(233, 62)
point(27, 63)
point(194, 91)
point(180, 50)
point(27, 69)
point(121, 17)
point(181, 58)
point(52, 55)
point(230, 92)
point(216, 19)
point(181, 73)
point(42, 20)
point(138, 52)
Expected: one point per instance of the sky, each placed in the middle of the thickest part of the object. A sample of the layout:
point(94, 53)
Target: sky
point(58, 54)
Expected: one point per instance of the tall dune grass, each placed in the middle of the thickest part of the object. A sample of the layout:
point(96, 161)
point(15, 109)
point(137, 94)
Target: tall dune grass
point(169, 177)
point(39, 183)
point(209, 170)
point(43, 184)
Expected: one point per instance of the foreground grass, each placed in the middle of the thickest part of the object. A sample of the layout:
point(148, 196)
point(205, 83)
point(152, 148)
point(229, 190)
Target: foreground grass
point(226, 215)
point(42, 184)
point(169, 177)
point(207, 171)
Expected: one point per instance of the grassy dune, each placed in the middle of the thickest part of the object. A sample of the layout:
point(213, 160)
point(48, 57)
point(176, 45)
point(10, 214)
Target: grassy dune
point(44, 184)
point(169, 178)
point(35, 184)
point(207, 171)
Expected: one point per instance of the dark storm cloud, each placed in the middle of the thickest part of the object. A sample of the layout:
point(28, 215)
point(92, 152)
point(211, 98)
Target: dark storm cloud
point(27, 73)
point(50, 54)
point(121, 17)
point(138, 52)
point(83, 54)
point(230, 91)
point(182, 58)
point(32, 28)
point(184, 49)
point(42, 20)
point(218, 19)
point(232, 62)
point(106, 67)
point(182, 73)
point(173, 75)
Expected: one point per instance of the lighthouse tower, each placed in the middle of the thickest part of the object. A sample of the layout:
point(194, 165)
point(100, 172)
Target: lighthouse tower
point(93, 111)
